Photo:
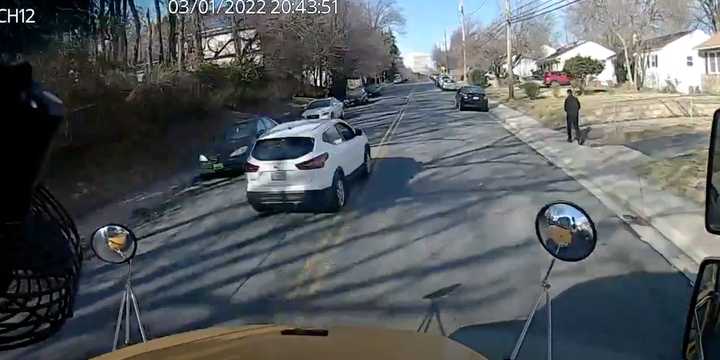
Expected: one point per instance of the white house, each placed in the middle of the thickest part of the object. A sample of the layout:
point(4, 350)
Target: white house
point(219, 43)
point(556, 60)
point(526, 65)
point(709, 52)
point(672, 60)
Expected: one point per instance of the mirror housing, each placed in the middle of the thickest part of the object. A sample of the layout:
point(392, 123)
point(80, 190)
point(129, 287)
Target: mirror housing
point(712, 192)
point(702, 326)
point(566, 231)
point(114, 243)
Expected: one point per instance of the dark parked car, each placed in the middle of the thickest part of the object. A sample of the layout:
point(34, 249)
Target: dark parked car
point(471, 97)
point(373, 90)
point(230, 151)
point(556, 77)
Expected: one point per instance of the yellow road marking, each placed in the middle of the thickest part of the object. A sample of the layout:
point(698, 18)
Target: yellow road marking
point(311, 269)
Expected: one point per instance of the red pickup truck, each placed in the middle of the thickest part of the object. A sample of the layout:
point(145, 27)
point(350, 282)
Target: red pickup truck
point(557, 77)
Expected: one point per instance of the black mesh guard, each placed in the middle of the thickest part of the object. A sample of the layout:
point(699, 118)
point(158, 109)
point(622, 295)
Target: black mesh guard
point(40, 263)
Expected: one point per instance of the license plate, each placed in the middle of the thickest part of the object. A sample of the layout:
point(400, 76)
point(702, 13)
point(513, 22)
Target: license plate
point(218, 166)
point(278, 176)
point(476, 98)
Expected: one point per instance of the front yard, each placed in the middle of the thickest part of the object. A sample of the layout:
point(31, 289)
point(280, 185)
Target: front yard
point(672, 130)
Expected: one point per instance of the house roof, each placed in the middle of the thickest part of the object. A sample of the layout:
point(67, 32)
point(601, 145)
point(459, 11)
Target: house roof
point(660, 41)
point(563, 49)
point(711, 43)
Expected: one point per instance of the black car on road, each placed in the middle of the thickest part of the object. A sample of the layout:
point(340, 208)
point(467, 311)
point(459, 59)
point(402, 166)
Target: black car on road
point(230, 151)
point(471, 97)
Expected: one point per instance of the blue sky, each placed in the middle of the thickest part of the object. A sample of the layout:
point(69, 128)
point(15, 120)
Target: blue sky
point(428, 19)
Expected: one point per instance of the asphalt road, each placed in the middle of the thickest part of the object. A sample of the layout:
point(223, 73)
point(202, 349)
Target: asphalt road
point(450, 207)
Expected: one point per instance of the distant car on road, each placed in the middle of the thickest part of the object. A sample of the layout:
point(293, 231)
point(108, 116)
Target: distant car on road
point(306, 163)
point(357, 97)
point(324, 109)
point(471, 97)
point(230, 151)
point(556, 77)
point(439, 80)
point(449, 85)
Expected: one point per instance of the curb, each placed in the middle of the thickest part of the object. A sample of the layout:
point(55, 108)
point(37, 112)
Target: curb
point(670, 229)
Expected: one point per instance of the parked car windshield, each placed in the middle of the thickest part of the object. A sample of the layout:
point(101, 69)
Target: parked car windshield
point(240, 130)
point(319, 104)
point(282, 148)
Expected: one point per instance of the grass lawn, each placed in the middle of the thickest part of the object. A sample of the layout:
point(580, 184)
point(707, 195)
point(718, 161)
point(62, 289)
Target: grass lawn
point(619, 117)
point(683, 174)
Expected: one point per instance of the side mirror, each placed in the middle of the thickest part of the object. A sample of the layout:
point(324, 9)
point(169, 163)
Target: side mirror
point(358, 132)
point(712, 186)
point(260, 132)
point(702, 326)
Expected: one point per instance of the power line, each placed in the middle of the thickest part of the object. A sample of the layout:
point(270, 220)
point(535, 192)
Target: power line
point(538, 8)
point(478, 9)
point(532, 16)
point(528, 4)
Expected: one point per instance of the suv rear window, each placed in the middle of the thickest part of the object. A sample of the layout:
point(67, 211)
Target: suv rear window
point(283, 148)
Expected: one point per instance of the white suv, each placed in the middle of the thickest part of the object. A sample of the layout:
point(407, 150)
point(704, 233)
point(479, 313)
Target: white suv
point(306, 163)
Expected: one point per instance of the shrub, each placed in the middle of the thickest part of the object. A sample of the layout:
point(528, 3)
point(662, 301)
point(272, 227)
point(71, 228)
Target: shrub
point(531, 89)
point(580, 67)
point(556, 90)
point(477, 77)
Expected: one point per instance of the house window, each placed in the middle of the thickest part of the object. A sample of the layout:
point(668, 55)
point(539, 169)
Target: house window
point(713, 62)
point(689, 61)
point(654, 61)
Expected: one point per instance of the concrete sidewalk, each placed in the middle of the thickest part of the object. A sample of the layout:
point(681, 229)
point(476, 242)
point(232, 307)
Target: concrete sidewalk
point(672, 225)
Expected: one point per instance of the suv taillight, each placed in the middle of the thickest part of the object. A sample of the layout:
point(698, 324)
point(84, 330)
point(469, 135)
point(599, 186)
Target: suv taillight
point(317, 162)
point(251, 168)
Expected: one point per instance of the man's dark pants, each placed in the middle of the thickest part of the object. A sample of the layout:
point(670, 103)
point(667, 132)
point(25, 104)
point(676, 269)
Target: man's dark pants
point(572, 124)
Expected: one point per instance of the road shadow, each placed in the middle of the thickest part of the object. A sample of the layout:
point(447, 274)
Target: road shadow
point(588, 318)
point(388, 182)
point(433, 311)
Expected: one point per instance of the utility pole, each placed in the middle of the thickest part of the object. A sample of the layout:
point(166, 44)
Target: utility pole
point(511, 86)
point(447, 54)
point(462, 26)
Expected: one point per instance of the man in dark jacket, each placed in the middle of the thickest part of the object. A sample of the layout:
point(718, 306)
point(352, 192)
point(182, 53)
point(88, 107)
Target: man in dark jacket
point(572, 109)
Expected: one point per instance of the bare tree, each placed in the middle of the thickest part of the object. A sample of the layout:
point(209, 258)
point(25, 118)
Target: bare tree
point(172, 38)
point(158, 18)
point(383, 14)
point(181, 43)
point(708, 14)
point(199, 49)
point(102, 26)
point(150, 38)
point(123, 32)
point(136, 21)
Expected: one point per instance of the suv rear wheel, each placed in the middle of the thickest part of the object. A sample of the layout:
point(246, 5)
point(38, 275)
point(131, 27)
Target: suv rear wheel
point(337, 193)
